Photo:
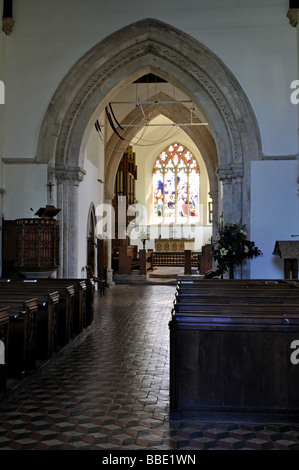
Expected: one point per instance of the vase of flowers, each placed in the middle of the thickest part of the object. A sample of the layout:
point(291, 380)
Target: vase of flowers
point(232, 247)
point(144, 236)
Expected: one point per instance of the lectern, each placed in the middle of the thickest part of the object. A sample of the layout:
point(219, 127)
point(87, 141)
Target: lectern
point(289, 252)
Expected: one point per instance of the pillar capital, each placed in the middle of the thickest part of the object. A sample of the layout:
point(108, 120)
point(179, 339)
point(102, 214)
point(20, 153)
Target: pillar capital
point(72, 174)
point(293, 15)
point(213, 194)
point(225, 174)
point(229, 173)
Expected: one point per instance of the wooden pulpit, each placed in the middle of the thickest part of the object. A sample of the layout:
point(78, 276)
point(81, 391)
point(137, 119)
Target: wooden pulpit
point(289, 252)
point(33, 244)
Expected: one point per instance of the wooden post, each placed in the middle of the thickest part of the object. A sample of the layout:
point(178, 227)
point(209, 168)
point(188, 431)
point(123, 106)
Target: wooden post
point(187, 262)
point(142, 261)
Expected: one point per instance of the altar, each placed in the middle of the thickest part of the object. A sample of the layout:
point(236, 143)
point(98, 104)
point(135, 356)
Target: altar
point(174, 245)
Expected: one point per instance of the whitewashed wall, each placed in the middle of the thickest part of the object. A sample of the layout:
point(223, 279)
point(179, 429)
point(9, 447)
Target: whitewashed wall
point(25, 189)
point(255, 41)
point(91, 191)
point(275, 212)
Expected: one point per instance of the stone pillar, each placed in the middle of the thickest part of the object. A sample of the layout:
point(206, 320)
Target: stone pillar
point(68, 181)
point(59, 201)
point(232, 178)
point(237, 192)
point(225, 175)
point(108, 200)
point(215, 215)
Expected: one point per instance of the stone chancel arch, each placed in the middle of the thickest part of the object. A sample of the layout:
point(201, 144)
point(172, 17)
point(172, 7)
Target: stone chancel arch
point(117, 61)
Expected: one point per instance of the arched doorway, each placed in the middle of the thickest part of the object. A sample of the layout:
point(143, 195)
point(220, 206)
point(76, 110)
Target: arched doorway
point(148, 46)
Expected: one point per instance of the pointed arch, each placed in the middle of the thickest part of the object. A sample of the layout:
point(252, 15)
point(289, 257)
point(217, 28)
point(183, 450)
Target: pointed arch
point(118, 60)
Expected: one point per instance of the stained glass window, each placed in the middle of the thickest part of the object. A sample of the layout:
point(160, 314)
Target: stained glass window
point(176, 179)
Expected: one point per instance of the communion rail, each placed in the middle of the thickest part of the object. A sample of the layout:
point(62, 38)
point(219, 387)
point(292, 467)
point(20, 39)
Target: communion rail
point(174, 259)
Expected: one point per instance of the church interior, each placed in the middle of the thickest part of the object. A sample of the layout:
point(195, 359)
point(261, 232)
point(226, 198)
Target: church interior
point(135, 140)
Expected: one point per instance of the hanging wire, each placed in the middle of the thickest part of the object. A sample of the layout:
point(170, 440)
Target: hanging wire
point(146, 115)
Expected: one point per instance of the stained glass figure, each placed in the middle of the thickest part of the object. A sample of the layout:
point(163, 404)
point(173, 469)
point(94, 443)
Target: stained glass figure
point(176, 180)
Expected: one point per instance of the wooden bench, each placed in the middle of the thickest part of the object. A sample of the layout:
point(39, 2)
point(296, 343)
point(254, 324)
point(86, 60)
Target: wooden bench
point(74, 311)
point(84, 297)
point(83, 290)
point(4, 329)
point(230, 350)
point(234, 296)
point(22, 335)
point(56, 301)
point(100, 281)
point(47, 339)
point(194, 281)
point(43, 315)
point(128, 259)
point(146, 261)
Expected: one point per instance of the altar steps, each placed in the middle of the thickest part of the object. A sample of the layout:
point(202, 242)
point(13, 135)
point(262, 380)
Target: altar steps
point(165, 275)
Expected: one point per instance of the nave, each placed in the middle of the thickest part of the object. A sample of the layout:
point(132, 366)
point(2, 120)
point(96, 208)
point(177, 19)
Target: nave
point(109, 390)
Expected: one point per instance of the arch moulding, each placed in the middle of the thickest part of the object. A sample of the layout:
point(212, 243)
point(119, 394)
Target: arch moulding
point(117, 61)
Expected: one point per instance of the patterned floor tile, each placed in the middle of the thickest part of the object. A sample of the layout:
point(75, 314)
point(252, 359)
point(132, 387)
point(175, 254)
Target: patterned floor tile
point(109, 390)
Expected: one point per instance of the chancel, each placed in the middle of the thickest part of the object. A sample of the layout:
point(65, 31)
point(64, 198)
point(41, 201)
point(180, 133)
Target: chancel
point(149, 225)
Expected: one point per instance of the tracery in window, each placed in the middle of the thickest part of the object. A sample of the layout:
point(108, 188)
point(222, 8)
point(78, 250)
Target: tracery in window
point(176, 179)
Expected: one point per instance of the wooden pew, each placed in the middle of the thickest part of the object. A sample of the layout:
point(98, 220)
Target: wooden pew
point(230, 349)
point(54, 312)
point(235, 283)
point(100, 281)
point(43, 315)
point(47, 315)
point(22, 335)
point(205, 259)
point(127, 259)
point(230, 309)
point(74, 293)
point(4, 329)
point(83, 302)
point(234, 296)
point(75, 308)
point(146, 261)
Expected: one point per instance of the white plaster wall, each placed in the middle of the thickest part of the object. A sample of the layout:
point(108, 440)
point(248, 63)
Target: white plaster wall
point(24, 189)
point(91, 191)
point(253, 38)
point(275, 213)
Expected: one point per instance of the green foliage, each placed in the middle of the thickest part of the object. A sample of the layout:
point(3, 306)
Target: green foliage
point(232, 247)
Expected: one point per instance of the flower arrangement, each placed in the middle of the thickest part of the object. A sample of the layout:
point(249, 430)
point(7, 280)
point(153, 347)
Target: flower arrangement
point(144, 236)
point(232, 247)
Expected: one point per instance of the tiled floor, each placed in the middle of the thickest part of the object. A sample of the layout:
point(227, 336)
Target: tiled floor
point(109, 390)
